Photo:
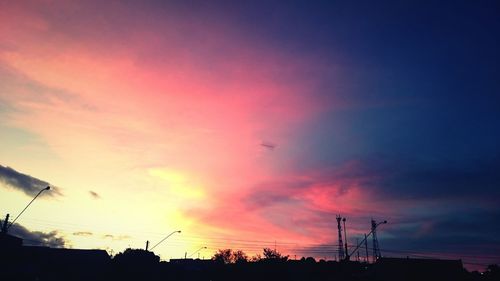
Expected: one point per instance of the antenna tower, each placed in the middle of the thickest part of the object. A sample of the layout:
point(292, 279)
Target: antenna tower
point(376, 249)
point(341, 245)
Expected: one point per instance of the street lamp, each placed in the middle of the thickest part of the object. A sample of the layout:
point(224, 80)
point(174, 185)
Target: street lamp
point(382, 222)
point(366, 236)
point(177, 231)
point(38, 194)
point(197, 251)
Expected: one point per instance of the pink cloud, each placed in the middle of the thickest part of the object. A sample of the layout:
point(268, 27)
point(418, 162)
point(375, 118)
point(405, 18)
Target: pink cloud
point(300, 208)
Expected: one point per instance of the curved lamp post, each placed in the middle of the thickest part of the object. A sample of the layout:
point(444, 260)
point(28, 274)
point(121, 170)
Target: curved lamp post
point(366, 236)
point(38, 194)
point(177, 231)
point(197, 251)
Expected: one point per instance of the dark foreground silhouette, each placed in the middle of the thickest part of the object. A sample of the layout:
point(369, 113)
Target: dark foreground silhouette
point(43, 263)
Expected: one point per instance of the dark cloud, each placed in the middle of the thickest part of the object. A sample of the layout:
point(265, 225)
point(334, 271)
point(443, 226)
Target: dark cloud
point(468, 228)
point(37, 238)
point(83, 233)
point(390, 177)
point(421, 179)
point(94, 194)
point(26, 183)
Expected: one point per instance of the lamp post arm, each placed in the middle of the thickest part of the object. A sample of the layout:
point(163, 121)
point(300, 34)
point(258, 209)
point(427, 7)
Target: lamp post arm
point(197, 251)
point(177, 231)
point(362, 241)
point(38, 194)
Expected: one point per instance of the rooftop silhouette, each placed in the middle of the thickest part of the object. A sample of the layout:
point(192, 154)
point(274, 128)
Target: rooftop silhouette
point(45, 263)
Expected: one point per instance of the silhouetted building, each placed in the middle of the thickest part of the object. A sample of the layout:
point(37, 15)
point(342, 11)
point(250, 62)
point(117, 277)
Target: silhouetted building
point(418, 269)
point(192, 264)
point(9, 242)
point(64, 256)
point(44, 263)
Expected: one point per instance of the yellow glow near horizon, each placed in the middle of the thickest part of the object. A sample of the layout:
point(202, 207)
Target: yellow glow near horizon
point(178, 183)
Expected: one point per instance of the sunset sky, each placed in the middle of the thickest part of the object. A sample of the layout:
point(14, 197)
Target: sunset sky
point(251, 124)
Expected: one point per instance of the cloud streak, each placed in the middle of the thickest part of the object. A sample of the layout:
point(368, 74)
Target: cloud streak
point(25, 183)
point(94, 195)
point(116, 237)
point(83, 233)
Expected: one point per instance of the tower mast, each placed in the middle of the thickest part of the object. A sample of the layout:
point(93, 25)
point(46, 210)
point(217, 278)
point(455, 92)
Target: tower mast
point(341, 244)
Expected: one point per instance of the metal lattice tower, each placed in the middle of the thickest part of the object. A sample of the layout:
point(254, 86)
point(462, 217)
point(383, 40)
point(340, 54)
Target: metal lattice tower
point(341, 245)
point(366, 248)
point(376, 249)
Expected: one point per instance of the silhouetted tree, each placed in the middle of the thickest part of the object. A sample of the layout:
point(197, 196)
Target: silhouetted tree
point(239, 256)
point(492, 272)
point(136, 257)
point(229, 256)
point(223, 256)
point(270, 254)
point(310, 260)
point(256, 258)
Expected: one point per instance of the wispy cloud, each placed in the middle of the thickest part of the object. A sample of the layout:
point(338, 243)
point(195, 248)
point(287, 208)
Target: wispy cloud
point(26, 183)
point(83, 233)
point(116, 237)
point(94, 194)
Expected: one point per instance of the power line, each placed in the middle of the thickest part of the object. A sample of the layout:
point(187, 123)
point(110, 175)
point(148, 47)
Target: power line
point(219, 242)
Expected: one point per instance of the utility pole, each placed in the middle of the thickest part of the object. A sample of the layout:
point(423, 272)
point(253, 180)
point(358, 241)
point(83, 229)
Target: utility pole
point(5, 224)
point(376, 250)
point(345, 236)
point(341, 244)
point(147, 244)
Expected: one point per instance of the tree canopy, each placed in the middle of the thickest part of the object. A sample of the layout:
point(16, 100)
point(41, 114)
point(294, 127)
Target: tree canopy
point(273, 254)
point(229, 256)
